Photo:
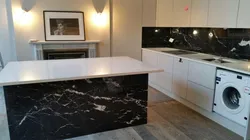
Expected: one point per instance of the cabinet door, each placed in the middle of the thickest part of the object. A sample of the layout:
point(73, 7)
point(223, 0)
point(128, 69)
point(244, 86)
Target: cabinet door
point(165, 62)
point(223, 13)
point(182, 12)
point(199, 13)
point(164, 79)
point(150, 58)
point(164, 13)
point(202, 74)
point(180, 74)
point(243, 15)
point(149, 13)
point(200, 96)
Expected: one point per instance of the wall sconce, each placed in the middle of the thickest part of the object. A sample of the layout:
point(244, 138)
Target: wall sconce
point(27, 5)
point(22, 16)
point(100, 18)
point(99, 5)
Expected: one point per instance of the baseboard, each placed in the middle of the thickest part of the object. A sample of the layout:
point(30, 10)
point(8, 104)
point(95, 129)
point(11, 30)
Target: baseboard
point(236, 128)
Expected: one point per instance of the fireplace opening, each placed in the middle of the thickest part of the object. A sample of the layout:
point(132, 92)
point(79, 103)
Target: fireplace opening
point(65, 54)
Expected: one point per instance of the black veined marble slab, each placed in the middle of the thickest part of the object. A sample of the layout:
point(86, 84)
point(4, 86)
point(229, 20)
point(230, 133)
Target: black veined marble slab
point(232, 43)
point(60, 110)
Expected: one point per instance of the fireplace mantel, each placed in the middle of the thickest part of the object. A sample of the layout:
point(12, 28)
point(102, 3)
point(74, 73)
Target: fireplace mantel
point(40, 46)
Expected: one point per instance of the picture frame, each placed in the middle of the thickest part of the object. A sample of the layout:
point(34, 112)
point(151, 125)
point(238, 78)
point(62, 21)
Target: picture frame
point(64, 26)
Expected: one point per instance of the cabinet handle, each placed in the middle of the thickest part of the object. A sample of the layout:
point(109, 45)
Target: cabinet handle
point(180, 60)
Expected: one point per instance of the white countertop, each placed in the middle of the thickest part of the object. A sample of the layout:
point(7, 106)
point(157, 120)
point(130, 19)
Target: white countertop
point(26, 72)
point(235, 65)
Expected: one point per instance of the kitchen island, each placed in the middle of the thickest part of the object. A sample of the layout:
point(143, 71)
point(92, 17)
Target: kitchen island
point(60, 99)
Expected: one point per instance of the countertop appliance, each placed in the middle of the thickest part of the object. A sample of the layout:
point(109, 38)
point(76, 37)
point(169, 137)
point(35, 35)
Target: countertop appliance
point(232, 96)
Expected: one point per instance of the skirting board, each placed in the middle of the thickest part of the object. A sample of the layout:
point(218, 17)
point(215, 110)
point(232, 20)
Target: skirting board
point(236, 128)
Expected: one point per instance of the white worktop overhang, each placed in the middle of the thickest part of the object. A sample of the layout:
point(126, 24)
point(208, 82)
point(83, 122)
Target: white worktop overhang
point(28, 72)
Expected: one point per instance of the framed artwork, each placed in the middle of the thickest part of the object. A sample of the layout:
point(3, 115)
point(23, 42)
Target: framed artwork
point(64, 26)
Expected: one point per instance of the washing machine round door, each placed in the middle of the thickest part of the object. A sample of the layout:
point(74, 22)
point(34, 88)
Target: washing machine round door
point(232, 98)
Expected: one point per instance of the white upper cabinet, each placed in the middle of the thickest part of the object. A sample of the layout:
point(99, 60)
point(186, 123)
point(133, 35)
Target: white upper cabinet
point(182, 13)
point(164, 13)
point(223, 13)
point(149, 13)
point(199, 13)
point(203, 13)
point(243, 15)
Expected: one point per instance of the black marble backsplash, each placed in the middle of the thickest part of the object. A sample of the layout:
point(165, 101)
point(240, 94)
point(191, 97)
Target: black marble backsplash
point(232, 43)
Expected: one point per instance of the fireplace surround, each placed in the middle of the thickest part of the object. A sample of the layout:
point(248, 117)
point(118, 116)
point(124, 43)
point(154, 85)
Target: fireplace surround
point(44, 50)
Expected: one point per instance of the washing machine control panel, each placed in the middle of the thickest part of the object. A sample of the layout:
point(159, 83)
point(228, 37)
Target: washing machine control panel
point(218, 79)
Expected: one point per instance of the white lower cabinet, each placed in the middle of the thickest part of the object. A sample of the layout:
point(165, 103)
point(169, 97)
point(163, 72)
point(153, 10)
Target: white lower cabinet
point(164, 61)
point(202, 74)
point(152, 78)
point(179, 86)
point(180, 76)
point(150, 58)
point(164, 80)
point(200, 96)
point(190, 80)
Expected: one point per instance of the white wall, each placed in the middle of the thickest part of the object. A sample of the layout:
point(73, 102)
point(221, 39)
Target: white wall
point(35, 28)
point(7, 50)
point(127, 28)
point(128, 18)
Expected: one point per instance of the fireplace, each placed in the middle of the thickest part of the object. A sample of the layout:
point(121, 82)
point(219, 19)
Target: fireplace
point(44, 50)
point(65, 54)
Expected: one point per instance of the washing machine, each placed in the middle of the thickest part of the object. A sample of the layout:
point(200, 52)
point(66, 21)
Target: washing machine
point(232, 96)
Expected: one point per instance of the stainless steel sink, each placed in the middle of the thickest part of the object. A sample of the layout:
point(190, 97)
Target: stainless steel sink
point(179, 52)
point(219, 60)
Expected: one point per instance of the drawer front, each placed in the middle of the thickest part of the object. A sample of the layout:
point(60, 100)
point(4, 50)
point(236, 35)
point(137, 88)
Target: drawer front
point(202, 74)
point(165, 62)
point(200, 96)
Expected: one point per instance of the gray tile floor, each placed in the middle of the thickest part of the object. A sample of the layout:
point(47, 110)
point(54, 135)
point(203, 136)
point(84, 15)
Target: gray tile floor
point(167, 120)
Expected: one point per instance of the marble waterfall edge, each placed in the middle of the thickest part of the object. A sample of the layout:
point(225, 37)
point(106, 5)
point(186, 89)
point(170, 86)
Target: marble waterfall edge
point(66, 109)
